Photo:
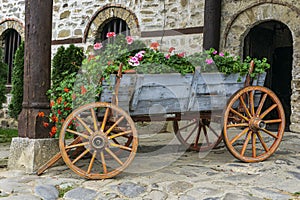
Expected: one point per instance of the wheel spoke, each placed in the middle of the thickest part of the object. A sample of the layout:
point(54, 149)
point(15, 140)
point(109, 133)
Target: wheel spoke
point(114, 156)
point(246, 143)
point(77, 133)
point(261, 104)
point(80, 156)
point(272, 121)
point(214, 132)
point(121, 146)
point(253, 145)
point(191, 133)
point(114, 125)
point(198, 136)
point(239, 114)
point(103, 162)
point(267, 111)
point(186, 126)
point(239, 135)
point(94, 119)
point(269, 133)
point(206, 136)
point(84, 125)
point(244, 106)
point(119, 134)
point(76, 145)
point(91, 163)
point(237, 125)
point(252, 102)
point(104, 119)
point(262, 141)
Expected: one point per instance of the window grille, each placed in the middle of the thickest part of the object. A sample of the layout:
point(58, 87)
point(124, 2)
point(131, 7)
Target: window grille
point(115, 25)
point(12, 40)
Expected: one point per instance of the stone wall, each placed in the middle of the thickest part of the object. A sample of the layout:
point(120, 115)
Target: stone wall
point(81, 19)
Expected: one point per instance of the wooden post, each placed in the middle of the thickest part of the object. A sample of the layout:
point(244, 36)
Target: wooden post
point(38, 33)
point(212, 20)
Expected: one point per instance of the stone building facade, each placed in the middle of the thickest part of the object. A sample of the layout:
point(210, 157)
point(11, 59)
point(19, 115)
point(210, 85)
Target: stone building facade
point(256, 27)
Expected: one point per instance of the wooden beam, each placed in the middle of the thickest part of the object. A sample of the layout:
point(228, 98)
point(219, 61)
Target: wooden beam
point(212, 20)
point(37, 64)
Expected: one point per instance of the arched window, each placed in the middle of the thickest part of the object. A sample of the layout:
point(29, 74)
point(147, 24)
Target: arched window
point(116, 25)
point(11, 42)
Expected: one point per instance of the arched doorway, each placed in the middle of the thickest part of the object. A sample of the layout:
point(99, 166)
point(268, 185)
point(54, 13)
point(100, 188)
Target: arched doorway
point(273, 40)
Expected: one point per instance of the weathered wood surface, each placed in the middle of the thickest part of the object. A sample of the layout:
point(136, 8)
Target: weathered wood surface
point(149, 94)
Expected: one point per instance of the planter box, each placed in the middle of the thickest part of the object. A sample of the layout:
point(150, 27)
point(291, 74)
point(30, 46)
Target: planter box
point(150, 94)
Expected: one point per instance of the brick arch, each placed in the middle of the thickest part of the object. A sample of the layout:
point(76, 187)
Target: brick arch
point(241, 23)
point(104, 14)
point(12, 23)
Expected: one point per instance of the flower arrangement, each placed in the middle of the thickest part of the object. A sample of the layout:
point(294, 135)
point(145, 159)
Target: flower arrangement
point(85, 86)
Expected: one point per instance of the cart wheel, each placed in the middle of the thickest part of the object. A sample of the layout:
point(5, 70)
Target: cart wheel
point(197, 134)
point(254, 123)
point(102, 143)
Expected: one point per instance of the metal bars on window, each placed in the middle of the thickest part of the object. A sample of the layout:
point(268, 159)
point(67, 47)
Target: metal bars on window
point(115, 25)
point(12, 40)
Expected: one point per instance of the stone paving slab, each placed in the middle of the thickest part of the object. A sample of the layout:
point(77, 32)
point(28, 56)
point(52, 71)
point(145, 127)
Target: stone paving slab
point(161, 171)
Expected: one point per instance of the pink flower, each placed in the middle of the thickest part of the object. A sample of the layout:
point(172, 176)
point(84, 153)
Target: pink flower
point(129, 39)
point(140, 55)
point(167, 56)
point(98, 46)
point(110, 34)
point(215, 52)
point(133, 61)
point(181, 55)
point(209, 61)
point(221, 54)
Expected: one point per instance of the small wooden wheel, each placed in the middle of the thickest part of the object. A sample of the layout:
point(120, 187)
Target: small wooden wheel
point(103, 142)
point(254, 123)
point(197, 134)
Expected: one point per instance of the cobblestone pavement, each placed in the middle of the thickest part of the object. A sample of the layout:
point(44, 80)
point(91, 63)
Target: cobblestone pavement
point(158, 172)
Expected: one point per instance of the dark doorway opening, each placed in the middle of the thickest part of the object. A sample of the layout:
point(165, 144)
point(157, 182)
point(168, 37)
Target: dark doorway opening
point(273, 40)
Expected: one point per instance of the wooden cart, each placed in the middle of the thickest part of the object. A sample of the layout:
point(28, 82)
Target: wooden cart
point(105, 140)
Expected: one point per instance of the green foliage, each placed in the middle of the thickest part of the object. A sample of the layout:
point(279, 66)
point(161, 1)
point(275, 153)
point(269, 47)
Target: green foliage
point(3, 79)
point(213, 61)
point(65, 60)
point(7, 134)
point(15, 107)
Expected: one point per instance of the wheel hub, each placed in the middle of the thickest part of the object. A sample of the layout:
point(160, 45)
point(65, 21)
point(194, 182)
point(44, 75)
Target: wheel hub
point(98, 141)
point(256, 124)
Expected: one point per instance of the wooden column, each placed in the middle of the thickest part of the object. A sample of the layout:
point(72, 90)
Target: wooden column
point(212, 20)
point(38, 33)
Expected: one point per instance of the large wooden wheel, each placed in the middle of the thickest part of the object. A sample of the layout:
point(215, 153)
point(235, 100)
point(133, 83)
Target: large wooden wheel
point(254, 123)
point(197, 134)
point(103, 142)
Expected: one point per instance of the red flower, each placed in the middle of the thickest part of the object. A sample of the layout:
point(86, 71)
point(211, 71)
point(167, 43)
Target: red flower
point(54, 118)
point(51, 103)
point(45, 124)
point(59, 100)
point(53, 131)
point(83, 90)
point(67, 108)
point(171, 49)
point(110, 34)
point(59, 112)
point(181, 55)
point(154, 45)
point(41, 114)
point(66, 90)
